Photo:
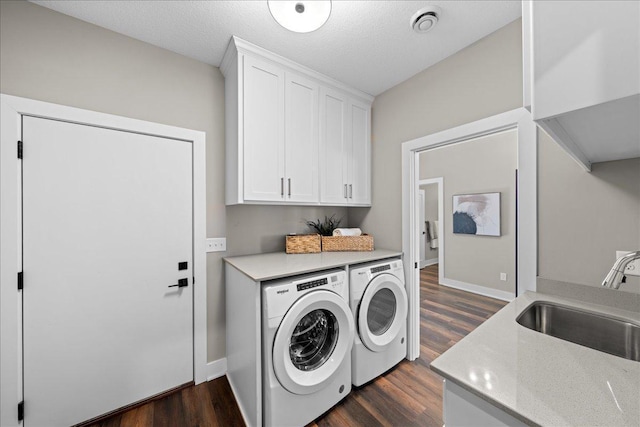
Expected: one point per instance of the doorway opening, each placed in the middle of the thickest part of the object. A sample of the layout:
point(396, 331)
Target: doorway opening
point(525, 247)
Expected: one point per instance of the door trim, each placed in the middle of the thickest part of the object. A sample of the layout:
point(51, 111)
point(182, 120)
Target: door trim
point(439, 181)
point(12, 109)
point(527, 230)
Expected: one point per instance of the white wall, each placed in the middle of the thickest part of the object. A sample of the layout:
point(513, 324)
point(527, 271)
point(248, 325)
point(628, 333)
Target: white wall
point(481, 80)
point(584, 218)
point(481, 165)
point(52, 57)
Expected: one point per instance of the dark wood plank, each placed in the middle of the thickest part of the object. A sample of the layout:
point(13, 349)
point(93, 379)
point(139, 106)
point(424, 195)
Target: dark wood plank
point(408, 395)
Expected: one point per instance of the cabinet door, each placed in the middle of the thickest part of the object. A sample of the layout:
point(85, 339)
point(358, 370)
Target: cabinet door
point(333, 147)
point(301, 139)
point(359, 156)
point(263, 131)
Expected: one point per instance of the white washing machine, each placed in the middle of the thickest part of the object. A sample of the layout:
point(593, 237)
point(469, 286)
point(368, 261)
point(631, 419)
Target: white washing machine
point(378, 300)
point(308, 332)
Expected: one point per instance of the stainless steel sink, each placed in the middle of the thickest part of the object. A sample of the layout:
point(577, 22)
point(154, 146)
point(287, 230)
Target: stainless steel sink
point(600, 332)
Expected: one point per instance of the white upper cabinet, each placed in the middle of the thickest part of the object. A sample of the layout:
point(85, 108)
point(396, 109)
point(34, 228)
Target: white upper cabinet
point(301, 139)
point(287, 140)
point(263, 131)
point(345, 150)
point(582, 75)
point(359, 155)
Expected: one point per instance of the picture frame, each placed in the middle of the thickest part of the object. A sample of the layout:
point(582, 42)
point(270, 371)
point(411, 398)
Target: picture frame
point(477, 214)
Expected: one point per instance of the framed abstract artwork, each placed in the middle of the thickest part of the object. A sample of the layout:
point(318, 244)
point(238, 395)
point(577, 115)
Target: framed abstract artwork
point(477, 214)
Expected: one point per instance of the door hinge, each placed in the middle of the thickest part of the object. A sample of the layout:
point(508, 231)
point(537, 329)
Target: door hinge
point(416, 265)
point(194, 280)
point(20, 149)
point(20, 281)
point(21, 411)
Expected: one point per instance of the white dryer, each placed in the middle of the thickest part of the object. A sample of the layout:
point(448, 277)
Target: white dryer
point(307, 337)
point(378, 301)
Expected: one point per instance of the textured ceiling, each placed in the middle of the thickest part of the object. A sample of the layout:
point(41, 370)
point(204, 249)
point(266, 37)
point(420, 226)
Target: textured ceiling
point(366, 44)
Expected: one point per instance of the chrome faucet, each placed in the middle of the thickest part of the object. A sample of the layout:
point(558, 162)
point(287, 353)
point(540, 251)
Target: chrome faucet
point(616, 276)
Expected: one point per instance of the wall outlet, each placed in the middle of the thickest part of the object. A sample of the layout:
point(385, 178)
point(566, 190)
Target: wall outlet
point(633, 268)
point(217, 244)
point(503, 277)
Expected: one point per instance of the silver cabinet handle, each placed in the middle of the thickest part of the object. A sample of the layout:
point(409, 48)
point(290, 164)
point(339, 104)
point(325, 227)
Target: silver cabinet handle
point(351, 191)
point(281, 187)
point(345, 191)
point(289, 187)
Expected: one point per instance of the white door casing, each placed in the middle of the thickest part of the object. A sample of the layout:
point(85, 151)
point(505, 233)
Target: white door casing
point(13, 110)
point(519, 119)
point(307, 382)
point(439, 181)
point(381, 282)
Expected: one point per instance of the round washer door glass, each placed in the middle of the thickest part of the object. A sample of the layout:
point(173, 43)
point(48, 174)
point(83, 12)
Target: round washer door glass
point(313, 342)
point(381, 311)
point(314, 339)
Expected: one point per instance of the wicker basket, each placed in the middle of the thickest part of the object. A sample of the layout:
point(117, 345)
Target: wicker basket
point(303, 244)
point(347, 243)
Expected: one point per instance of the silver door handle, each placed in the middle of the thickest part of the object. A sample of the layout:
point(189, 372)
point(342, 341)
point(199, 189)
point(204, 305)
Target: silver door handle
point(351, 191)
point(281, 187)
point(345, 191)
point(289, 187)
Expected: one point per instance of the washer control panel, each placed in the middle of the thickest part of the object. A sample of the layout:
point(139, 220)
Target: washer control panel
point(381, 268)
point(312, 284)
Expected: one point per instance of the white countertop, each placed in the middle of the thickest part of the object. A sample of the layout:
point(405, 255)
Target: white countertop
point(279, 264)
point(541, 379)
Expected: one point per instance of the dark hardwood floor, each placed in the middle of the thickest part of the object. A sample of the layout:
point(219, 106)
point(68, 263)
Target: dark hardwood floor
point(408, 395)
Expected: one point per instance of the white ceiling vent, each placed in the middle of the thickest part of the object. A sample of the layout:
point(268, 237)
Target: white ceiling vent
point(425, 19)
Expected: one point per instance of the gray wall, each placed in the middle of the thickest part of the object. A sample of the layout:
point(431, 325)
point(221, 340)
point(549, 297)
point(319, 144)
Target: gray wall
point(481, 165)
point(481, 80)
point(430, 214)
point(51, 57)
point(585, 217)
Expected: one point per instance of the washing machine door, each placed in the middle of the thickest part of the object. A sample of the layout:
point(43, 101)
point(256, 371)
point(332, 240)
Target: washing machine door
point(382, 312)
point(312, 341)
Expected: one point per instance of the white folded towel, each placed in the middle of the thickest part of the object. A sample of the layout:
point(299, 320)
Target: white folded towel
point(347, 232)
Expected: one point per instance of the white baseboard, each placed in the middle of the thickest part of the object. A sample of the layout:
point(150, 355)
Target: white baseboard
point(478, 289)
point(428, 262)
point(216, 369)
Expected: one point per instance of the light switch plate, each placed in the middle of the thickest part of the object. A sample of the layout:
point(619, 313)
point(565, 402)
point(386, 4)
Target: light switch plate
point(503, 277)
point(217, 244)
point(633, 268)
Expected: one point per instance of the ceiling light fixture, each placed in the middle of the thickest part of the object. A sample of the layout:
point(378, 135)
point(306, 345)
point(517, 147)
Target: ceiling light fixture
point(300, 16)
point(425, 19)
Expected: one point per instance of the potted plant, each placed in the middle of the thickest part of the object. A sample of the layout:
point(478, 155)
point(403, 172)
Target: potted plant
point(326, 227)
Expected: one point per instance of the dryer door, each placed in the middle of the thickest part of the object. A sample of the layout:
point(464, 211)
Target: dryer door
point(382, 312)
point(312, 341)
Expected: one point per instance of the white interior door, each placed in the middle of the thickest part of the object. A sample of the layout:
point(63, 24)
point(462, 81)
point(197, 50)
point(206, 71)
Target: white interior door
point(107, 217)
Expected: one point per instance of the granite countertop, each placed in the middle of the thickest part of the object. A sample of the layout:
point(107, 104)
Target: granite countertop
point(279, 264)
point(543, 380)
